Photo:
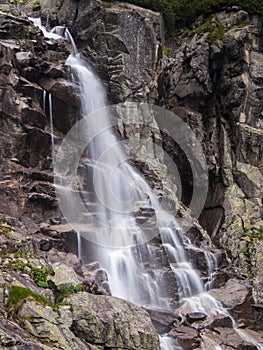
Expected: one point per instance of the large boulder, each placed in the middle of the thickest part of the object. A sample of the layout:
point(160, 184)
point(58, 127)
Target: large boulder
point(112, 322)
point(236, 297)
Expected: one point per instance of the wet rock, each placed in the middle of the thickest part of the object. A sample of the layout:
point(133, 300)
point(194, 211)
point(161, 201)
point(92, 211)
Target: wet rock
point(212, 322)
point(235, 297)
point(123, 61)
point(187, 337)
point(224, 93)
point(93, 266)
point(162, 320)
point(195, 316)
point(227, 338)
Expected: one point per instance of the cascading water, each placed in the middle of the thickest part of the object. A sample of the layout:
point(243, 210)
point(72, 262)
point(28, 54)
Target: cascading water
point(128, 276)
point(50, 110)
point(51, 129)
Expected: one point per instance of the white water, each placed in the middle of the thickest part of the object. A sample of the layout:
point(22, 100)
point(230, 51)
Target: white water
point(37, 23)
point(50, 110)
point(128, 277)
point(51, 129)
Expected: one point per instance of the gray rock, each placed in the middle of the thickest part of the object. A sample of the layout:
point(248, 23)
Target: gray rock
point(96, 319)
point(64, 276)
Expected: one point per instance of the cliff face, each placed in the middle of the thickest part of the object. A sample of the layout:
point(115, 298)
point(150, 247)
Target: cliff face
point(213, 82)
point(220, 80)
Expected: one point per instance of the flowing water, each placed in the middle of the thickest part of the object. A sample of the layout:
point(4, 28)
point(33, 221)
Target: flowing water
point(119, 189)
point(50, 111)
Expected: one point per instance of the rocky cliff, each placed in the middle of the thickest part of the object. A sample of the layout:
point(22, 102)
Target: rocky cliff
point(210, 76)
point(215, 82)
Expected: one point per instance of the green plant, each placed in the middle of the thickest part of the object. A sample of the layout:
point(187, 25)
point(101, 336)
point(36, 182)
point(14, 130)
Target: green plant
point(40, 276)
point(249, 235)
point(67, 291)
point(214, 27)
point(18, 265)
point(20, 293)
point(253, 233)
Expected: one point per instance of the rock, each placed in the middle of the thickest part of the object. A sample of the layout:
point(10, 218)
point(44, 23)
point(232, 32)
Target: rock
point(45, 324)
point(162, 320)
point(212, 322)
point(124, 61)
point(12, 336)
point(93, 266)
point(195, 316)
point(221, 83)
point(227, 338)
point(96, 319)
point(235, 297)
point(64, 276)
point(187, 337)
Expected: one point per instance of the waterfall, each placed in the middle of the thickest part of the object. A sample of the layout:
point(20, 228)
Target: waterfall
point(119, 191)
point(50, 110)
point(51, 129)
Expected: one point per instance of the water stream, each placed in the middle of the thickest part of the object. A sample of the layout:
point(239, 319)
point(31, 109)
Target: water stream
point(118, 187)
point(50, 111)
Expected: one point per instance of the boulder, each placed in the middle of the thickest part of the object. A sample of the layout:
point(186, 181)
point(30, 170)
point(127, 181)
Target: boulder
point(64, 276)
point(187, 337)
point(48, 326)
point(112, 322)
point(236, 298)
point(227, 339)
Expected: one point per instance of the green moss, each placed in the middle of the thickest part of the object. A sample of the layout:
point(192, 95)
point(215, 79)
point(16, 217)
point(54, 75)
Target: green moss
point(59, 6)
point(20, 293)
point(250, 234)
point(5, 229)
point(215, 29)
point(167, 51)
point(106, 4)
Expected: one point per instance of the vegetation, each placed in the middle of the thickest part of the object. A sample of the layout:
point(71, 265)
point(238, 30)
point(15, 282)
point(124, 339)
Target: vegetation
point(253, 233)
point(179, 13)
point(39, 275)
point(167, 51)
point(20, 293)
point(67, 291)
point(249, 235)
